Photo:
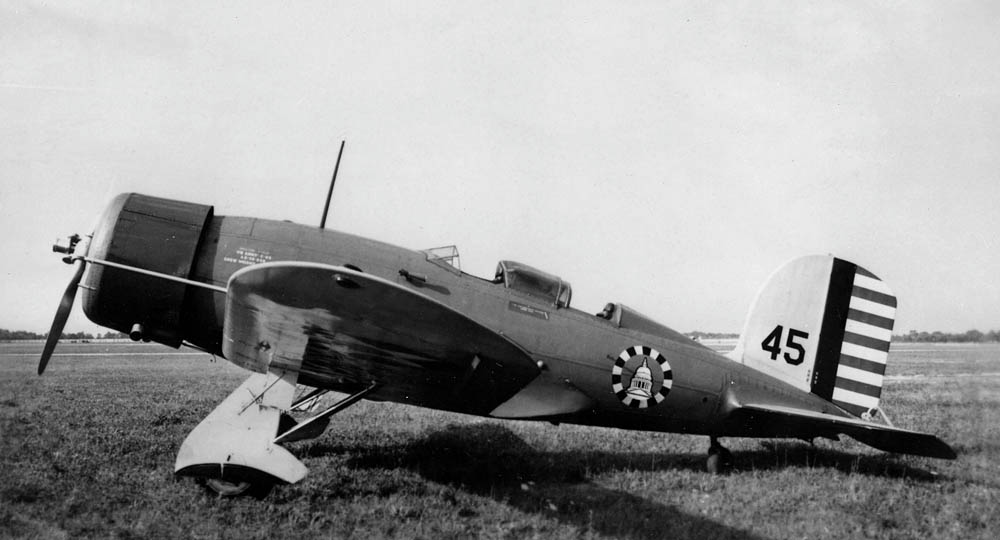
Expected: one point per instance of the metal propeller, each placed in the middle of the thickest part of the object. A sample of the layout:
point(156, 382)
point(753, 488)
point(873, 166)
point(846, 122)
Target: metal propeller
point(65, 304)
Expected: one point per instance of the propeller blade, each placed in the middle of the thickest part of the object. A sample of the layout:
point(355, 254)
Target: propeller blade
point(62, 314)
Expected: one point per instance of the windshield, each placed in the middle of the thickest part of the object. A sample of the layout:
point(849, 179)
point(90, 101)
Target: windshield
point(446, 256)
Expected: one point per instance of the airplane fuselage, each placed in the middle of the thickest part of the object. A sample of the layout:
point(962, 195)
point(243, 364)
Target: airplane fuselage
point(578, 350)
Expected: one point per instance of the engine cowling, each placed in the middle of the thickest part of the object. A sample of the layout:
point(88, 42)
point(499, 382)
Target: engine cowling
point(160, 235)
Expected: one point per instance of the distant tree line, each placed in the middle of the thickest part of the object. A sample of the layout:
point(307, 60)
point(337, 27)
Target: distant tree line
point(698, 335)
point(972, 336)
point(17, 335)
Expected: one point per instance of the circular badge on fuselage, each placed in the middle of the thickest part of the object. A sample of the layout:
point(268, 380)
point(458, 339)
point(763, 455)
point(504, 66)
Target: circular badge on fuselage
point(641, 377)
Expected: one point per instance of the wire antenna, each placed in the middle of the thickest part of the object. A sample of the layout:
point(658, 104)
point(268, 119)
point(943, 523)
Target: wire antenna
point(329, 194)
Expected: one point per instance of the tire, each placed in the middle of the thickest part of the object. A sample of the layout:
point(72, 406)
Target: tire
point(719, 461)
point(226, 489)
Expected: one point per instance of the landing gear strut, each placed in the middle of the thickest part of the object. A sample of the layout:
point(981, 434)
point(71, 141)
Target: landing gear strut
point(720, 460)
point(236, 449)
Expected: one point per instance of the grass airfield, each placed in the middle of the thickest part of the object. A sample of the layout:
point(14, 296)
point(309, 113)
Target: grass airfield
point(88, 451)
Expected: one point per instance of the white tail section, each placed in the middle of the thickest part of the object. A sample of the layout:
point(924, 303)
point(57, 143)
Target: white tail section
point(823, 325)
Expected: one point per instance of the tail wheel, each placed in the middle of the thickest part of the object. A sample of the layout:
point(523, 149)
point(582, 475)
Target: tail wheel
point(719, 463)
point(720, 459)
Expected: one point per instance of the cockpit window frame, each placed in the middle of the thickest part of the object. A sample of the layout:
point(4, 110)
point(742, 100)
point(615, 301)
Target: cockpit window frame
point(535, 283)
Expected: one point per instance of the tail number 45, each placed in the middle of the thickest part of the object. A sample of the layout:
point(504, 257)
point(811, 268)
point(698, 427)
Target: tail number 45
point(772, 344)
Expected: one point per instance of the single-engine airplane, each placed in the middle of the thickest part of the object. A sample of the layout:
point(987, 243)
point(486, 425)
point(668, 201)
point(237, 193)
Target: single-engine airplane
point(300, 305)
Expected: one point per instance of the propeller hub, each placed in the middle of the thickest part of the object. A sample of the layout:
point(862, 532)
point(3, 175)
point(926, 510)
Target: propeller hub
point(68, 248)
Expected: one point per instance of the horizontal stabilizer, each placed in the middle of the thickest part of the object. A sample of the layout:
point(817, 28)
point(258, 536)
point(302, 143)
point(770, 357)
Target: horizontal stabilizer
point(886, 438)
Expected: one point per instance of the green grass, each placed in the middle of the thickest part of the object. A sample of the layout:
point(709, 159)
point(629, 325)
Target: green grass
point(88, 451)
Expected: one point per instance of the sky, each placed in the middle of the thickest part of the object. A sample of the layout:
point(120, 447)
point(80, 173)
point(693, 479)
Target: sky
point(667, 155)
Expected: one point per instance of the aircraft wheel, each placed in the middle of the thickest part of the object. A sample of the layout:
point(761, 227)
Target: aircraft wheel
point(225, 488)
point(720, 459)
point(719, 462)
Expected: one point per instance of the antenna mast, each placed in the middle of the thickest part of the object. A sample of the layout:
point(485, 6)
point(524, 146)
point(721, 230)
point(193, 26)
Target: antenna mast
point(329, 194)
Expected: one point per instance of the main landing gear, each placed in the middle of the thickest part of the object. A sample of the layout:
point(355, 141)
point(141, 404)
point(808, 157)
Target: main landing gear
point(236, 450)
point(227, 489)
point(257, 488)
point(720, 460)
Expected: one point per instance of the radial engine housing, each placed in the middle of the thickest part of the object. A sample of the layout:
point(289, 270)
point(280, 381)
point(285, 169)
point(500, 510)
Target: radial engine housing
point(150, 233)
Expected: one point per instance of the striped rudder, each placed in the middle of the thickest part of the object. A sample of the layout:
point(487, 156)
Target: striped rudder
point(823, 325)
point(865, 348)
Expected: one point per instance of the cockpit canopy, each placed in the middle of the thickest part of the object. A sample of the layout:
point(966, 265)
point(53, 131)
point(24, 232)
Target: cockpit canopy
point(513, 275)
point(534, 282)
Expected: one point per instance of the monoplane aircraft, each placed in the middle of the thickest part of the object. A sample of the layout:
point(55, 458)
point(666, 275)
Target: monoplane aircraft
point(304, 306)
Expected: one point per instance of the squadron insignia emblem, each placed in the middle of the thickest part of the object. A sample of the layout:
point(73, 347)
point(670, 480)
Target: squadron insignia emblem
point(641, 377)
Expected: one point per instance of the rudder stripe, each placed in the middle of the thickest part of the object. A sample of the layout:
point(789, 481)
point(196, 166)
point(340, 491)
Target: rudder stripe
point(866, 273)
point(859, 387)
point(862, 364)
point(852, 379)
point(865, 341)
point(874, 296)
point(831, 337)
point(870, 318)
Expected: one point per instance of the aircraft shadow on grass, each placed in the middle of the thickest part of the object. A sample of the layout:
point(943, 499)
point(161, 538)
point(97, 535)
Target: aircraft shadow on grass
point(783, 454)
point(490, 460)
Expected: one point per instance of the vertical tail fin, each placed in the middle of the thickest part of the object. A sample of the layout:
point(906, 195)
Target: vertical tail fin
point(823, 325)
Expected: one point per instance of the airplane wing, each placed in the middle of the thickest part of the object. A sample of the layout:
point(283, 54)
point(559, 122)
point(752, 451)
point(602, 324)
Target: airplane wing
point(342, 328)
point(886, 438)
